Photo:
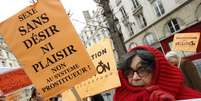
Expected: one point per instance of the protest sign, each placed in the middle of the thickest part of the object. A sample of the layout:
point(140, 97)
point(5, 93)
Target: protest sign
point(186, 41)
point(44, 41)
point(68, 96)
point(107, 75)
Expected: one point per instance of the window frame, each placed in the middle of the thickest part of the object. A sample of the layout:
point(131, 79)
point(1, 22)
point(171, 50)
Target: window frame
point(151, 36)
point(123, 12)
point(135, 3)
point(173, 25)
point(158, 8)
point(141, 20)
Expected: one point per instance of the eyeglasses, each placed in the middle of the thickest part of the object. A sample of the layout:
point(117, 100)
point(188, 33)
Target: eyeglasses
point(141, 71)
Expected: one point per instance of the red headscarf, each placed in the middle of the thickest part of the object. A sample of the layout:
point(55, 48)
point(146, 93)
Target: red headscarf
point(165, 76)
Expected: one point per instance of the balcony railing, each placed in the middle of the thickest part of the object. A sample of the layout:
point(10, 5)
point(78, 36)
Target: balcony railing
point(136, 10)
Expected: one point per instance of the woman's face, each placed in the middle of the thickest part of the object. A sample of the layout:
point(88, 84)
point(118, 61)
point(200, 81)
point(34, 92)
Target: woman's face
point(139, 75)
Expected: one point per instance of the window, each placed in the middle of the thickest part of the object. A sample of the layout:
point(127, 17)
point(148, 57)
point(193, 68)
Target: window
point(81, 37)
point(151, 1)
point(11, 65)
point(1, 41)
point(158, 7)
point(98, 37)
point(89, 44)
point(135, 3)
point(1, 52)
point(27, 92)
point(123, 12)
point(3, 63)
point(94, 40)
point(150, 39)
point(173, 25)
point(131, 32)
point(84, 42)
point(7, 54)
point(141, 20)
point(94, 27)
point(103, 31)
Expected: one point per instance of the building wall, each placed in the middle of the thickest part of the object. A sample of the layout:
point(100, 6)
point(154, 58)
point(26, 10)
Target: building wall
point(22, 94)
point(95, 29)
point(7, 59)
point(183, 10)
point(126, 4)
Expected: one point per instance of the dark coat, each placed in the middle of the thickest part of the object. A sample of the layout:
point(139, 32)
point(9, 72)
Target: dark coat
point(97, 97)
point(192, 78)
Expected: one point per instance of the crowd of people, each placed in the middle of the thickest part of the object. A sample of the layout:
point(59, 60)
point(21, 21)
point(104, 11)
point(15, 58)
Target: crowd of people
point(148, 75)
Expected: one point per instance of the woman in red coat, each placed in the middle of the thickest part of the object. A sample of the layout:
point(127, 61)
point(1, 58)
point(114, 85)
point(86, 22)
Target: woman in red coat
point(147, 76)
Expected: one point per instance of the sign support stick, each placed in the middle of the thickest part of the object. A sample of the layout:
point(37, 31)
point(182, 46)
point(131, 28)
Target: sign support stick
point(76, 94)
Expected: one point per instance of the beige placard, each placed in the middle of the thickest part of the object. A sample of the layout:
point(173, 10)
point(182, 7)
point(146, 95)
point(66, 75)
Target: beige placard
point(68, 96)
point(107, 75)
point(44, 41)
point(186, 41)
